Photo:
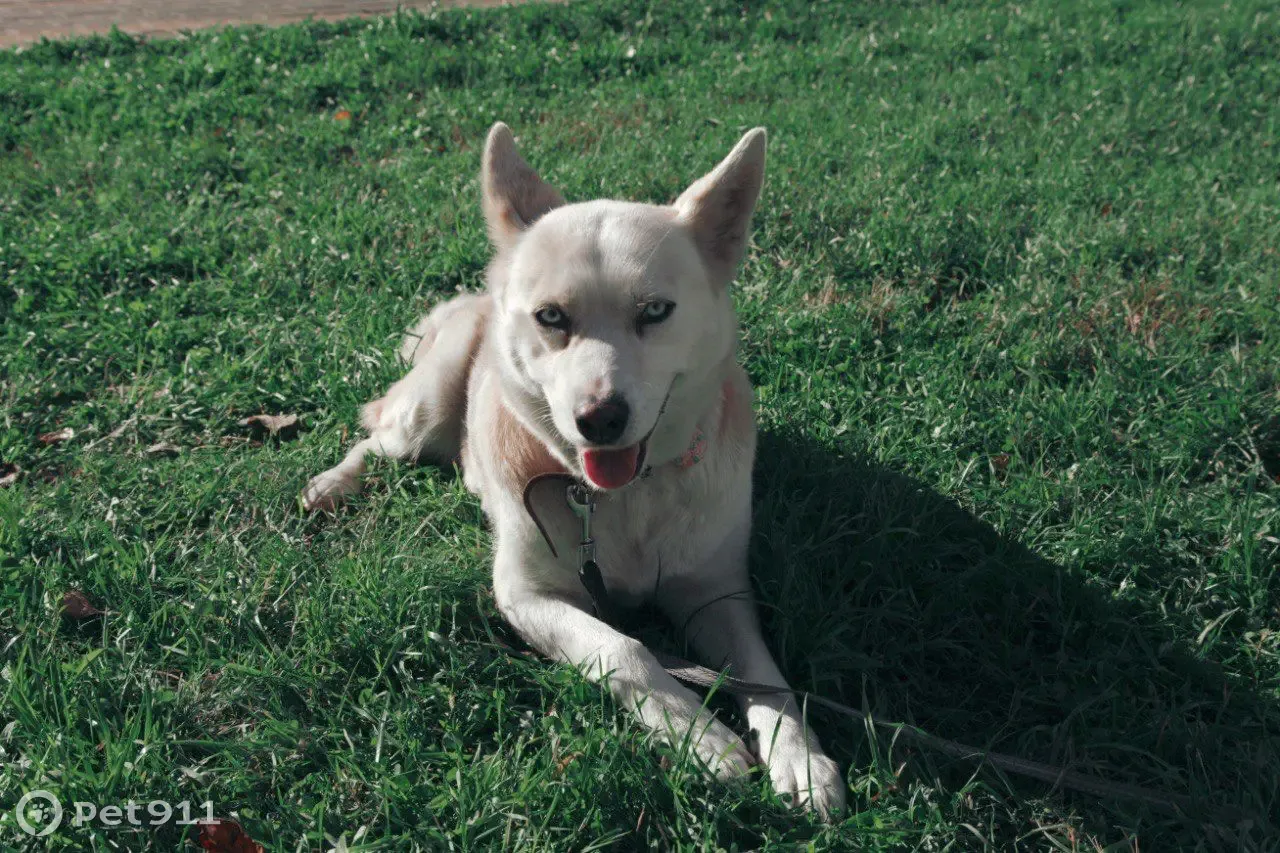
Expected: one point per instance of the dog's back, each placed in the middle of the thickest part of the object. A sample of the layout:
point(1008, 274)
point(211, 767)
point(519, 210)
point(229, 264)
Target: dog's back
point(421, 416)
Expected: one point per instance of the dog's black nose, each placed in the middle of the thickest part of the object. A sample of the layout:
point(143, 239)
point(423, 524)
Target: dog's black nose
point(603, 422)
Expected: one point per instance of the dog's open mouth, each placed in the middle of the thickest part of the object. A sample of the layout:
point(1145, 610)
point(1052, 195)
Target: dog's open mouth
point(610, 468)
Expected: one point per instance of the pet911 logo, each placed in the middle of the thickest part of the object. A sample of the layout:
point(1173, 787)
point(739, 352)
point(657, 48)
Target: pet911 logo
point(40, 813)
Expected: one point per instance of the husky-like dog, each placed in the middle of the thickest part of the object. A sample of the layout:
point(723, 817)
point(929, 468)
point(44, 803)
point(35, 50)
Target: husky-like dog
point(604, 350)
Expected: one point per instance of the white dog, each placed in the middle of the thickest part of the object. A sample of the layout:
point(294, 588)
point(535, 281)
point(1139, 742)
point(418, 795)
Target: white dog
point(604, 351)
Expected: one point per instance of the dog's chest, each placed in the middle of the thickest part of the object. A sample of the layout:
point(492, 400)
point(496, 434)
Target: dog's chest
point(651, 533)
point(640, 539)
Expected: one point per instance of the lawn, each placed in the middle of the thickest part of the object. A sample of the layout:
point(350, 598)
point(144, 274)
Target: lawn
point(1011, 309)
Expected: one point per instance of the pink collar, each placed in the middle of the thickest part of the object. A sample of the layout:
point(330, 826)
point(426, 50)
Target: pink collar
point(692, 455)
point(695, 451)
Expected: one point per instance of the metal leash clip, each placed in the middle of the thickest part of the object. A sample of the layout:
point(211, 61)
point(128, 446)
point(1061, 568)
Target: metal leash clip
point(583, 505)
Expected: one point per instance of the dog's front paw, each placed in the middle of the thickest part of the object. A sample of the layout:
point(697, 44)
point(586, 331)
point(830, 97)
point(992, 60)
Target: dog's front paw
point(676, 717)
point(801, 772)
point(718, 749)
point(328, 491)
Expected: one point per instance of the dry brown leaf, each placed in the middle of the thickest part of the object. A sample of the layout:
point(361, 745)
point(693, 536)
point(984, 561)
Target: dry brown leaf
point(224, 835)
point(76, 605)
point(58, 436)
point(563, 764)
point(9, 472)
point(277, 426)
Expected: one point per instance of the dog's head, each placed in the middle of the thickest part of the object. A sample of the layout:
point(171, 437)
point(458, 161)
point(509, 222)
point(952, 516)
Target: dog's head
point(609, 312)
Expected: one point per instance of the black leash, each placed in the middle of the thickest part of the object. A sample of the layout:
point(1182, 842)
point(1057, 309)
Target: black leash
point(701, 676)
point(582, 502)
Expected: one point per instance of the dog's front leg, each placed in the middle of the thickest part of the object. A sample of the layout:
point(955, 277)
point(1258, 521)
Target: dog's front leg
point(556, 623)
point(727, 633)
point(721, 624)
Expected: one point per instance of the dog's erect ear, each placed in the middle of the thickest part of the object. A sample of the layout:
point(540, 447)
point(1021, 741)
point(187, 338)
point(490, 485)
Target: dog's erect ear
point(514, 195)
point(718, 206)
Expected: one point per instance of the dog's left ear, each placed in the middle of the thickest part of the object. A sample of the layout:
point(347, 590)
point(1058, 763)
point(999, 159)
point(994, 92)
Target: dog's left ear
point(514, 196)
point(717, 207)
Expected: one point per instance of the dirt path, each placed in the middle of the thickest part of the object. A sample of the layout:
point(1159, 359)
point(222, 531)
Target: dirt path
point(23, 21)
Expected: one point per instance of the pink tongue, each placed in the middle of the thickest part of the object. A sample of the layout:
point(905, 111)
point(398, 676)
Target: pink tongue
point(611, 469)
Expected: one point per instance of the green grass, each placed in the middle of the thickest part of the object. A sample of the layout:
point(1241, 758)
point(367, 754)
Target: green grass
point(1011, 309)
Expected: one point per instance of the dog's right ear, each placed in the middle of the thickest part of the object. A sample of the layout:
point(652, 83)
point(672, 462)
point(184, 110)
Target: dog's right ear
point(718, 206)
point(514, 195)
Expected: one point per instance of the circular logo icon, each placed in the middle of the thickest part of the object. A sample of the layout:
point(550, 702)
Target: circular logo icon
point(38, 813)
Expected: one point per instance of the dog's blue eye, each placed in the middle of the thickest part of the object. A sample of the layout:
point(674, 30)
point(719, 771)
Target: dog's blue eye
point(552, 317)
point(656, 311)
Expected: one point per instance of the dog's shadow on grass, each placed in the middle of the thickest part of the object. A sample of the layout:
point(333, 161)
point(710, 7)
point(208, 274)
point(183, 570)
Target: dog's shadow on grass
point(878, 590)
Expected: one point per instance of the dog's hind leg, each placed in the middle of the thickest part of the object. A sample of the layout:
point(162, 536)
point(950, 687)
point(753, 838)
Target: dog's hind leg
point(420, 417)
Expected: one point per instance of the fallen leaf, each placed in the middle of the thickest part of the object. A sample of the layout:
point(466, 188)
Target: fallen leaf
point(277, 426)
point(223, 835)
point(342, 115)
point(9, 473)
point(1000, 462)
point(563, 764)
point(76, 605)
point(163, 448)
point(58, 436)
